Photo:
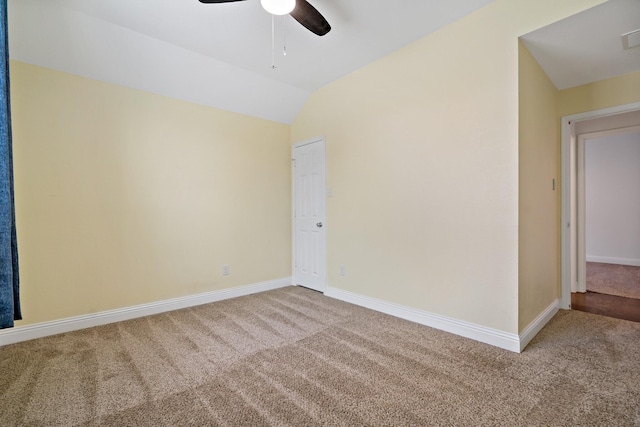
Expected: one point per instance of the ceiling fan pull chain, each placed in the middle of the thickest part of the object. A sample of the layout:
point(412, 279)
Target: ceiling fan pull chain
point(273, 42)
point(284, 35)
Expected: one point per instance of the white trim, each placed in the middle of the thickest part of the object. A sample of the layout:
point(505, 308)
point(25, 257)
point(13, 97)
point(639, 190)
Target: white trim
point(611, 260)
point(566, 214)
point(611, 132)
point(581, 215)
point(536, 326)
point(307, 142)
point(505, 340)
point(39, 330)
point(567, 225)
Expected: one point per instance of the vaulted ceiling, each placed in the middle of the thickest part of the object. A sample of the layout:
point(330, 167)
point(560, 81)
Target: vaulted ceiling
point(588, 47)
point(221, 54)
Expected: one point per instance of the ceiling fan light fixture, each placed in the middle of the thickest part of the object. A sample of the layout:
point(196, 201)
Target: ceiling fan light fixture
point(278, 7)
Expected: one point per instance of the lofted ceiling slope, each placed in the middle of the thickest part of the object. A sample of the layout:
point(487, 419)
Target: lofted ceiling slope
point(219, 54)
point(587, 47)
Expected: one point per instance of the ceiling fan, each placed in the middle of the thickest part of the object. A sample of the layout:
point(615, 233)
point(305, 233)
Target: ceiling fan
point(300, 10)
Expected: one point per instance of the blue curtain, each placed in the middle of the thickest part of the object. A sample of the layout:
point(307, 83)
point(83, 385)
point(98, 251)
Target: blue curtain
point(9, 277)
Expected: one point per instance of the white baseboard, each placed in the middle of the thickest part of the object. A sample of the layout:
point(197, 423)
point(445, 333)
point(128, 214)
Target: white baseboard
point(39, 330)
point(610, 260)
point(536, 326)
point(497, 338)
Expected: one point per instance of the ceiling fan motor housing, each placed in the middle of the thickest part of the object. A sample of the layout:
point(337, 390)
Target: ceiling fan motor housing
point(278, 7)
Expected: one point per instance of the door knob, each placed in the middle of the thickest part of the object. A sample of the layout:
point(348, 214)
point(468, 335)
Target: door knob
point(319, 225)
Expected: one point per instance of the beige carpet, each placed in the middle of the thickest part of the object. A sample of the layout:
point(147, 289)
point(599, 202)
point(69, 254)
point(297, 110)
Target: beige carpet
point(293, 357)
point(613, 279)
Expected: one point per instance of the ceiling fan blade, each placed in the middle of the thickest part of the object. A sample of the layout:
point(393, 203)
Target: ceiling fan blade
point(310, 18)
point(218, 1)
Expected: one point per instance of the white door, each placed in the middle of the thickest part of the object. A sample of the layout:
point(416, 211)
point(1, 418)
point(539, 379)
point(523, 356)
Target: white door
point(309, 215)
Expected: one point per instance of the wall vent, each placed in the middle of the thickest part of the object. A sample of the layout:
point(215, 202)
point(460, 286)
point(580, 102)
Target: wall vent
point(631, 39)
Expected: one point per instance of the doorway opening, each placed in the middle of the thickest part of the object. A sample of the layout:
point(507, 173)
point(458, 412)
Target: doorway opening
point(576, 130)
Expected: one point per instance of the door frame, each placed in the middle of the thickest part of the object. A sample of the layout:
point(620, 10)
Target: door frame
point(571, 230)
point(322, 140)
point(581, 184)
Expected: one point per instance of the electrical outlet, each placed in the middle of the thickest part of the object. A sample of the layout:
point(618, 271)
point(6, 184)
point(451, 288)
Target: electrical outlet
point(226, 270)
point(343, 270)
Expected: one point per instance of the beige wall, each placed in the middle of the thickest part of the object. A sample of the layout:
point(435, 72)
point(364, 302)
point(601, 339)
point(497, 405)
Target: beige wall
point(539, 204)
point(541, 107)
point(422, 150)
point(612, 92)
point(125, 197)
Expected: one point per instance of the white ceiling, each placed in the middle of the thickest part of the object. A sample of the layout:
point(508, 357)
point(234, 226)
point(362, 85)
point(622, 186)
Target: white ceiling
point(587, 47)
point(220, 54)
